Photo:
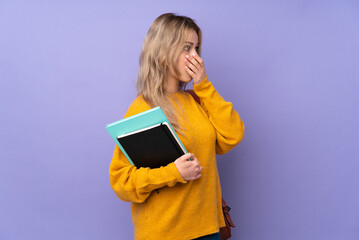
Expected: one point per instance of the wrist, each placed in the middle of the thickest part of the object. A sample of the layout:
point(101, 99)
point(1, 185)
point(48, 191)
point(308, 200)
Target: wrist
point(199, 81)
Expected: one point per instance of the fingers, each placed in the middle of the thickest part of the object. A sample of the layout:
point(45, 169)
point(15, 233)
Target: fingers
point(197, 166)
point(189, 170)
point(195, 60)
point(197, 173)
point(190, 72)
point(195, 63)
point(186, 157)
point(194, 164)
point(195, 67)
point(196, 177)
point(198, 59)
point(190, 68)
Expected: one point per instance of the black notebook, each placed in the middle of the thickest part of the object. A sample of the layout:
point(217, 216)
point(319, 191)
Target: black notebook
point(152, 147)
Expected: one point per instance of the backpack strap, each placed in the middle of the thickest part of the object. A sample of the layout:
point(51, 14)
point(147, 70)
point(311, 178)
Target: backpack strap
point(194, 95)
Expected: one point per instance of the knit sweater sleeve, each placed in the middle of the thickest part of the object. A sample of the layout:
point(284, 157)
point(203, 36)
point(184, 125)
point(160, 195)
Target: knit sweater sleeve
point(226, 121)
point(134, 184)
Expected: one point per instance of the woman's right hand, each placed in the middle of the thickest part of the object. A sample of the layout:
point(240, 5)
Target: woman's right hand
point(189, 170)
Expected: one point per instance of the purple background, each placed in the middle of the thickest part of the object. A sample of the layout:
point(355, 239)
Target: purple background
point(68, 68)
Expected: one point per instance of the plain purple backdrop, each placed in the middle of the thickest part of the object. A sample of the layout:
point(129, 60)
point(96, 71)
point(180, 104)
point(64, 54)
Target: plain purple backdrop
point(291, 69)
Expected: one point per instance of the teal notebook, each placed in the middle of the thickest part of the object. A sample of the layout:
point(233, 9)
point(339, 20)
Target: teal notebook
point(145, 120)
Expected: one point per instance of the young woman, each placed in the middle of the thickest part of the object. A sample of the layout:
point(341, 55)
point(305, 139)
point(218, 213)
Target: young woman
point(183, 199)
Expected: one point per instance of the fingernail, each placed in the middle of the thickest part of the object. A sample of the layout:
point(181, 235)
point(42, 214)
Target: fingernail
point(187, 56)
point(194, 54)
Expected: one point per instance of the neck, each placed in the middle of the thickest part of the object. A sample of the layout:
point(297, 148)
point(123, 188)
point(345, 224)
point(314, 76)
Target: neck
point(172, 85)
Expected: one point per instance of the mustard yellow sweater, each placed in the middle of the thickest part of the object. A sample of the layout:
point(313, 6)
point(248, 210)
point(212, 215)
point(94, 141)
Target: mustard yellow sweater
point(180, 209)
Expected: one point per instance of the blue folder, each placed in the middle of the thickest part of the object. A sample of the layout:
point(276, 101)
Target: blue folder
point(136, 122)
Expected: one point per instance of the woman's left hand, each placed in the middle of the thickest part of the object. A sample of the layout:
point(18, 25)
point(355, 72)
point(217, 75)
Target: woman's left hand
point(195, 68)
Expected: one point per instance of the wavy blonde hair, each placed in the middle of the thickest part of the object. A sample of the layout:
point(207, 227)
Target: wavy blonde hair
point(163, 44)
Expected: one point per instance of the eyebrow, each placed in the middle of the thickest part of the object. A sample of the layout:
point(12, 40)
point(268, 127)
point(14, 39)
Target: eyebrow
point(191, 43)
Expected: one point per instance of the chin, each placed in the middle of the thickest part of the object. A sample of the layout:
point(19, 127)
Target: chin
point(187, 79)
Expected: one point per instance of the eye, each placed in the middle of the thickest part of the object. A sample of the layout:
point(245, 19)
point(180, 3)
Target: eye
point(197, 48)
point(187, 47)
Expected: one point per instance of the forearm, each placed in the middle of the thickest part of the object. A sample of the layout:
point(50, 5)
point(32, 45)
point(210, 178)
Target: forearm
point(135, 185)
point(226, 121)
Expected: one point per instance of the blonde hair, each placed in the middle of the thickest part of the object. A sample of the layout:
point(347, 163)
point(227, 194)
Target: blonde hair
point(161, 49)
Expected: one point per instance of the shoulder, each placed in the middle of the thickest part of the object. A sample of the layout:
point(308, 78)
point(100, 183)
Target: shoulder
point(139, 102)
point(138, 105)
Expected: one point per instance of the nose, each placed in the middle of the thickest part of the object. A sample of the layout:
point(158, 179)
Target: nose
point(192, 51)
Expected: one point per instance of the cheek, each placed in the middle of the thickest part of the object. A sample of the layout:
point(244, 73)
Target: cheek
point(181, 65)
point(181, 61)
